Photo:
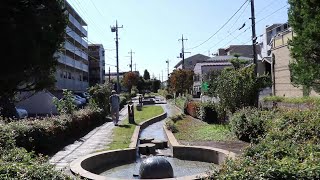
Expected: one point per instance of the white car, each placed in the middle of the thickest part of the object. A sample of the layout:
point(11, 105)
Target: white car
point(21, 113)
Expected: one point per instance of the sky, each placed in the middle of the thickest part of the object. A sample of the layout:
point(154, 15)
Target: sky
point(151, 28)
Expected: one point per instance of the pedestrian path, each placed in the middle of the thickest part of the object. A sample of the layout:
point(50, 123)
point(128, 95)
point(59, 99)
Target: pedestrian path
point(94, 141)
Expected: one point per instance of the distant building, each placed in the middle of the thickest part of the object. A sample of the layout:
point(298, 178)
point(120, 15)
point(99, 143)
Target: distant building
point(242, 50)
point(72, 70)
point(96, 64)
point(113, 75)
point(190, 62)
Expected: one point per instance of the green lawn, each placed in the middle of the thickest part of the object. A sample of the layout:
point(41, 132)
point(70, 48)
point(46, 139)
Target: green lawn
point(123, 133)
point(195, 130)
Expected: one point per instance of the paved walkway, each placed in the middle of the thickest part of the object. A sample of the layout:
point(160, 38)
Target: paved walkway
point(95, 140)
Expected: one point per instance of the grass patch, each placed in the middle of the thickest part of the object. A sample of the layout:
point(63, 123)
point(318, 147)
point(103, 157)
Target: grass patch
point(194, 130)
point(123, 133)
point(297, 100)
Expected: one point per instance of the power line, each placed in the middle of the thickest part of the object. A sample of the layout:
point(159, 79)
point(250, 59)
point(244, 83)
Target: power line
point(247, 28)
point(220, 27)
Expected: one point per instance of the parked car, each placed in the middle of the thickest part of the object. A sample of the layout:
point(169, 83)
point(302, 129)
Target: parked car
point(81, 99)
point(21, 113)
point(84, 95)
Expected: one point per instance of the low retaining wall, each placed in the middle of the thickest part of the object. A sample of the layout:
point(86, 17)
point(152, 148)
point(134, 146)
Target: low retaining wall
point(143, 125)
point(197, 153)
point(91, 165)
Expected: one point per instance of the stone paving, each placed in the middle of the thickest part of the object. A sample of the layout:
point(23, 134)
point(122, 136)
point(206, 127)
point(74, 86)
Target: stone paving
point(95, 140)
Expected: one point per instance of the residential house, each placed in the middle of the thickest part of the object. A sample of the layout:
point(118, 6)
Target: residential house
point(96, 64)
point(264, 58)
point(281, 75)
point(242, 50)
point(72, 70)
point(190, 62)
point(214, 63)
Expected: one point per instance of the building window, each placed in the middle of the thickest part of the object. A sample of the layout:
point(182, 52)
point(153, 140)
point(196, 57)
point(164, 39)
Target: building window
point(80, 77)
point(65, 74)
point(278, 29)
point(69, 75)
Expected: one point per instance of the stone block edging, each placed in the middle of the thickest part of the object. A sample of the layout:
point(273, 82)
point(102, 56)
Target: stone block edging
point(143, 125)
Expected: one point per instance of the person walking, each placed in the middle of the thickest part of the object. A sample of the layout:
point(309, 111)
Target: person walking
point(114, 101)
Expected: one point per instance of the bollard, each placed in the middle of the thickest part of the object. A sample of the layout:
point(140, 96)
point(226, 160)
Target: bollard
point(131, 112)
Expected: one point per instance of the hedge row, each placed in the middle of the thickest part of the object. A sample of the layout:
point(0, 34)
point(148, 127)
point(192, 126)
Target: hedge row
point(49, 134)
point(205, 111)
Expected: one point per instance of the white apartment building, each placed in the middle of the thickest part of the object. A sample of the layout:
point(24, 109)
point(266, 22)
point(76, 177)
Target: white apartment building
point(96, 64)
point(73, 67)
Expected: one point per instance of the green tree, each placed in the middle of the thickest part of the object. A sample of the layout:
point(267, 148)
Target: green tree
point(304, 18)
point(33, 31)
point(146, 75)
point(236, 88)
point(156, 84)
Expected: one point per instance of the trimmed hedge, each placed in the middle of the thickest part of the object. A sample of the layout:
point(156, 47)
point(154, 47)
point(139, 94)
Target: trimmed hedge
point(50, 134)
point(208, 113)
point(289, 150)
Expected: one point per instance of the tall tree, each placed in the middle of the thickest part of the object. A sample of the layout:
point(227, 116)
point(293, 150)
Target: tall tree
point(304, 18)
point(156, 84)
point(181, 80)
point(33, 31)
point(146, 75)
point(130, 79)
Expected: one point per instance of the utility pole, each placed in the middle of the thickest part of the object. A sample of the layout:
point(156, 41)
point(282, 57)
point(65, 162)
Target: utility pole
point(115, 29)
point(109, 75)
point(167, 61)
point(254, 39)
point(135, 67)
point(182, 50)
point(131, 58)
point(162, 75)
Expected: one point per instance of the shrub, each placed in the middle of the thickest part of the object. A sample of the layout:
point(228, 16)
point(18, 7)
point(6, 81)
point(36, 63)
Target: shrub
point(171, 126)
point(208, 113)
point(193, 109)
point(249, 123)
point(289, 150)
point(123, 101)
point(169, 96)
point(177, 118)
point(100, 94)
point(51, 133)
point(17, 163)
point(65, 105)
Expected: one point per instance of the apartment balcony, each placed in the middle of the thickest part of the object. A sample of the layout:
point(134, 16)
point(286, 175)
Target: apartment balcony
point(71, 84)
point(75, 36)
point(72, 63)
point(78, 25)
point(72, 48)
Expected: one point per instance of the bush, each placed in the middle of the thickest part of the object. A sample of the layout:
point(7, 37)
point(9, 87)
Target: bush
point(177, 118)
point(289, 150)
point(169, 96)
point(100, 94)
point(123, 101)
point(49, 134)
point(171, 126)
point(65, 105)
point(193, 109)
point(17, 163)
point(208, 113)
point(249, 123)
